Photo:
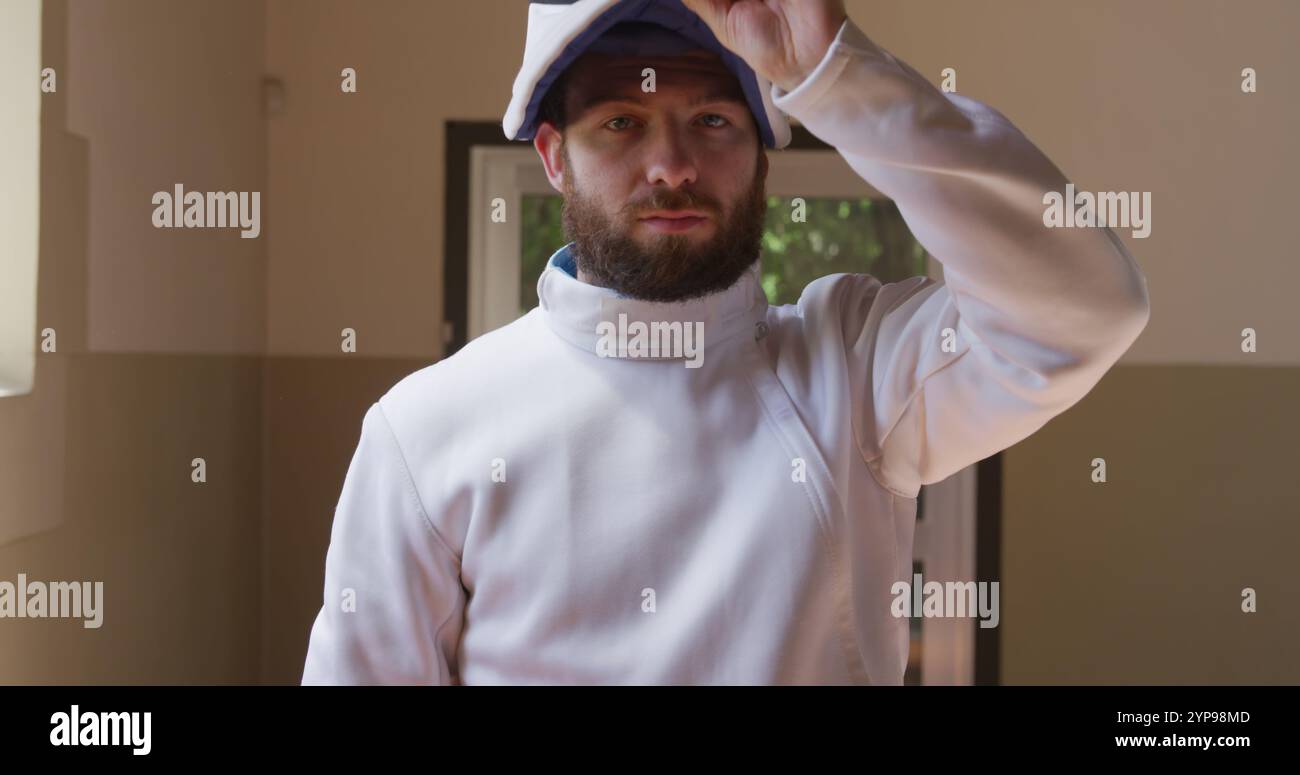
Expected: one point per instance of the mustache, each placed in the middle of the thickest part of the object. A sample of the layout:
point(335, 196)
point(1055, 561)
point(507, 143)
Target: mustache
point(673, 200)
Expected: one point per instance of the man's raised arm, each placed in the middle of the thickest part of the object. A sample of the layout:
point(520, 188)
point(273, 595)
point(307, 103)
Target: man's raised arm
point(1028, 318)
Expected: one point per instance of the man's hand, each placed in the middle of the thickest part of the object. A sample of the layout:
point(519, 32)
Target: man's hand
point(782, 40)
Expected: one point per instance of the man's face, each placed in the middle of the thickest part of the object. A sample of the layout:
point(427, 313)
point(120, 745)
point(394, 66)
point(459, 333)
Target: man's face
point(664, 193)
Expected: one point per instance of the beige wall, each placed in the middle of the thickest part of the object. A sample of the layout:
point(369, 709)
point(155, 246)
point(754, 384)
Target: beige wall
point(180, 562)
point(168, 93)
point(1135, 580)
point(95, 462)
point(356, 178)
point(1146, 96)
point(1139, 580)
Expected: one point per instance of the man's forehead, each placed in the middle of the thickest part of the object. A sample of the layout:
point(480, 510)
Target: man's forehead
point(595, 77)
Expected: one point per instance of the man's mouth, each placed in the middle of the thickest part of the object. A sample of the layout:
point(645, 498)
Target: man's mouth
point(673, 221)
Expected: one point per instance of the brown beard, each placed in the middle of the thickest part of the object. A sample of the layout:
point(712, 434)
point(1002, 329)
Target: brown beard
point(673, 267)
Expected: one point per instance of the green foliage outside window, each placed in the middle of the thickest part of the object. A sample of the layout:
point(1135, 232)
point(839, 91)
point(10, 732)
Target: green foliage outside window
point(865, 236)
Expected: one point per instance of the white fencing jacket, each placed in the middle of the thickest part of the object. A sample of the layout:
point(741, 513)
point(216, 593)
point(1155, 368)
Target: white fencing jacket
point(530, 511)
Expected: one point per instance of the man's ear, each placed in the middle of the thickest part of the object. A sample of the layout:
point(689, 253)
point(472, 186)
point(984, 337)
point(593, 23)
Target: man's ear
point(550, 146)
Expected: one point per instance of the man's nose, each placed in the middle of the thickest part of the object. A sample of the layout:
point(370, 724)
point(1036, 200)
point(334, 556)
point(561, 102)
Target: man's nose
point(670, 161)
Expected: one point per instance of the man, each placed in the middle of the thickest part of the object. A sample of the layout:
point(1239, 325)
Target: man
point(551, 506)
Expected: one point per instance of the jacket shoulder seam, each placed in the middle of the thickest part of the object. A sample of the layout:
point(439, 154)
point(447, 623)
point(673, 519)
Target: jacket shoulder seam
point(410, 484)
point(920, 386)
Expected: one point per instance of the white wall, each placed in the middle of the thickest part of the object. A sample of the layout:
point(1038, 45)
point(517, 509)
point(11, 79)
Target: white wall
point(20, 142)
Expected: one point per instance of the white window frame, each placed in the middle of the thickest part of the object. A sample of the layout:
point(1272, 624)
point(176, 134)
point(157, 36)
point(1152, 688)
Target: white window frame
point(945, 532)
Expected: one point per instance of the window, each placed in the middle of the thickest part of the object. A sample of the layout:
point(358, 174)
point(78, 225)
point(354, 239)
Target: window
point(20, 157)
point(839, 235)
point(849, 227)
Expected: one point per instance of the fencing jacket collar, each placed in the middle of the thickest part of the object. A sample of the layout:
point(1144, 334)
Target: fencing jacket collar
point(576, 310)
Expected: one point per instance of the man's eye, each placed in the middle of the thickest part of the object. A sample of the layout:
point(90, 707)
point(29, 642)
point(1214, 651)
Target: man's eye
point(617, 118)
point(722, 120)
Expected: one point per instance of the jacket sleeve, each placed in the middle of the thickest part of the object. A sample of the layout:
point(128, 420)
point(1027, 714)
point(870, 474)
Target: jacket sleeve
point(393, 605)
point(1027, 319)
